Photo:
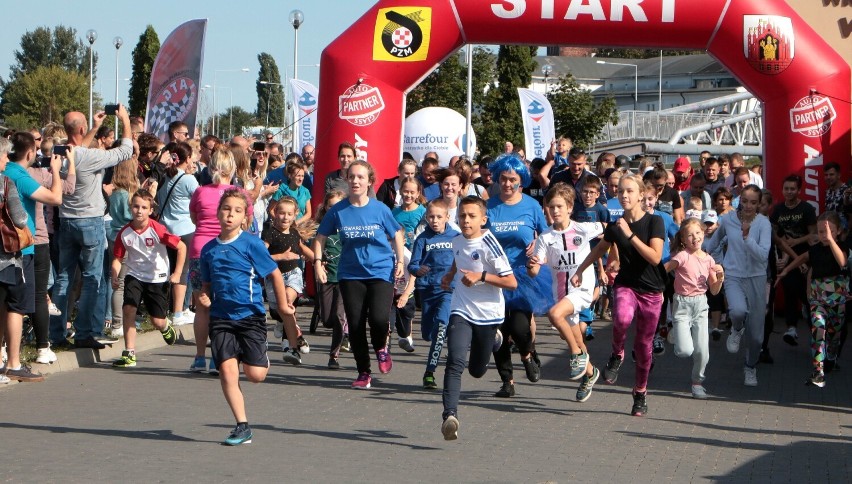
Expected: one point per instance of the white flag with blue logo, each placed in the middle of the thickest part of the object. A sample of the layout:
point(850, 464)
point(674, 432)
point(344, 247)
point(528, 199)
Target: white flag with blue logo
point(539, 129)
point(305, 100)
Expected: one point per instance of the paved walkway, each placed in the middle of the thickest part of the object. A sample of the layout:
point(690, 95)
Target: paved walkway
point(159, 422)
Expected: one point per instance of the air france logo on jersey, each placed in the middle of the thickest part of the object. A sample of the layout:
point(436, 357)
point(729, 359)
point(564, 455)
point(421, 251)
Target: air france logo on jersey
point(402, 34)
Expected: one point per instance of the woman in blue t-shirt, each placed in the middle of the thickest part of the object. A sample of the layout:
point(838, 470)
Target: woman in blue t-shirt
point(516, 219)
point(368, 264)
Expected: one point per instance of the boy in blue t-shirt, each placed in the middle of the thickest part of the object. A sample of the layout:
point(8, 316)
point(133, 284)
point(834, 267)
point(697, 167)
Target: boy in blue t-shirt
point(431, 258)
point(232, 268)
point(480, 271)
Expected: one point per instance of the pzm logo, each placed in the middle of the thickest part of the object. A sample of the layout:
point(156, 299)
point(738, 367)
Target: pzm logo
point(536, 111)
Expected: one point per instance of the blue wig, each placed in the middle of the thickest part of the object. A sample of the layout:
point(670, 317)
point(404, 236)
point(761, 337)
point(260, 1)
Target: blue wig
point(513, 162)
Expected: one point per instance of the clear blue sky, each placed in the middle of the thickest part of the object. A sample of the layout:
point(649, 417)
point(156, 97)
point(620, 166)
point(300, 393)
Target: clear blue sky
point(236, 33)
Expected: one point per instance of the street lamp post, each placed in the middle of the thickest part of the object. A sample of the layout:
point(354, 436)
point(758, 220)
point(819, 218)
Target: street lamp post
point(91, 36)
point(297, 18)
point(117, 42)
point(200, 115)
point(215, 104)
point(546, 70)
point(635, 79)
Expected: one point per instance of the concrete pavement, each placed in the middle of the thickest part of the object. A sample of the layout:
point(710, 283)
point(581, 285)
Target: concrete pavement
point(158, 422)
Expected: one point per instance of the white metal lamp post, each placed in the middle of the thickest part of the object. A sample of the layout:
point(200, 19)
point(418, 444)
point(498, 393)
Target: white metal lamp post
point(91, 36)
point(117, 42)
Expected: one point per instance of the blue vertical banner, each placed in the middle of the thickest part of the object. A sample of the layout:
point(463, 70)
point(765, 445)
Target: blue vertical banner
point(175, 80)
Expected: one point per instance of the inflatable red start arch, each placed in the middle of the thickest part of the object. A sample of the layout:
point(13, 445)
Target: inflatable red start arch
point(803, 83)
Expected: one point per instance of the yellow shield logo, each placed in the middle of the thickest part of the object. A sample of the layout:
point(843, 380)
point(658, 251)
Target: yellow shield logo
point(402, 34)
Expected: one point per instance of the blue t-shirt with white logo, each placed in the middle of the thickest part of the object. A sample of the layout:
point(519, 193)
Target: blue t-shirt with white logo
point(366, 233)
point(234, 269)
point(613, 206)
point(515, 226)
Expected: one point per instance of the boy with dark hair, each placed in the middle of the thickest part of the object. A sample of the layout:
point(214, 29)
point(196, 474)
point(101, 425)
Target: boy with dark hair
point(480, 271)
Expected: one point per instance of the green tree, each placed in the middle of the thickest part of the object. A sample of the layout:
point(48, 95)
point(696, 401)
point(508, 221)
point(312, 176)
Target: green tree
point(501, 119)
point(233, 120)
point(446, 86)
point(44, 47)
point(575, 112)
point(45, 95)
point(270, 97)
point(144, 55)
point(641, 53)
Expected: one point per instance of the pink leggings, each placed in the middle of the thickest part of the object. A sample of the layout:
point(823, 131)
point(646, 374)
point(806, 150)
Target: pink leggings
point(645, 309)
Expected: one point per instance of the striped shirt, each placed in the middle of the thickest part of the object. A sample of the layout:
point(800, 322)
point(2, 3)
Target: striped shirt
point(481, 303)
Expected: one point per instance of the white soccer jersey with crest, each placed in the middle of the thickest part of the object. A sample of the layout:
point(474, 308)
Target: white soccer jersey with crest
point(482, 303)
point(145, 251)
point(564, 251)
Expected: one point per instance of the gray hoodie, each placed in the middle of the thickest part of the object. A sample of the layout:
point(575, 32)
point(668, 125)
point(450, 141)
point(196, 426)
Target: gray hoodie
point(745, 257)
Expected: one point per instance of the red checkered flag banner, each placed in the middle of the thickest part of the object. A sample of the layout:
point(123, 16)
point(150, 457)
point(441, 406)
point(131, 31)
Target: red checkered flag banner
point(174, 90)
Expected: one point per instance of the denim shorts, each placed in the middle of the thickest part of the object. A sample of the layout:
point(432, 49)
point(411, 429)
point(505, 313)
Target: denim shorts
point(292, 279)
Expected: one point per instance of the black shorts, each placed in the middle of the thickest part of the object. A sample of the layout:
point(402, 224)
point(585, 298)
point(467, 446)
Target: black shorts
point(717, 302)
point(243, 339)
point(154, 294)
point(20, 298)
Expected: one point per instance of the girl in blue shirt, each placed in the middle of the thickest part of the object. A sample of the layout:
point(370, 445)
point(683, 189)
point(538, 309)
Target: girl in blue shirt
point(516, 219)
point(369, 262)
point(411, 211)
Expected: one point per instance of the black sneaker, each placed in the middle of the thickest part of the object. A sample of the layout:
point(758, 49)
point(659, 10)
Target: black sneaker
point(765, 357)
point(429, 382)
point(169, 334)
point(716, 333)
point(506, 391)
point(532, 370)
point(333, 364)
point(816, 379)
point(829, 365)
point(640, 406)
point(24, 374)
point(534, 356)
point(659, 346)
point(90, 343)
point(612, 367)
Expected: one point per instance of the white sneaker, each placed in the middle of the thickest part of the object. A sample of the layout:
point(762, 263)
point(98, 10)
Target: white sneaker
point(46, 356)
point(184, 319)
point(791, 337)
point(4, 379)
point(3, 356)
point(750, 377)
point(117, 332)
point(407, 344)
point(699, 392)
point(302, 343)
point(53, 310)
point(734, 339)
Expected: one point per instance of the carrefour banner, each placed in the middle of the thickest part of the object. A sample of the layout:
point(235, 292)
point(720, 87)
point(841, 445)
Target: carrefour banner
point(305, 95)
point(175, 78)
point(539, 129)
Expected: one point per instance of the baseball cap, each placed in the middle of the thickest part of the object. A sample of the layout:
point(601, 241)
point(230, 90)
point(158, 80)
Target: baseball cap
point(710, 217)
point(681, 165)
point(696, 214)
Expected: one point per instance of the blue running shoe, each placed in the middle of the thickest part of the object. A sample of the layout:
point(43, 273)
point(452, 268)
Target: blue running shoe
point(240, 435)
point(199, 364)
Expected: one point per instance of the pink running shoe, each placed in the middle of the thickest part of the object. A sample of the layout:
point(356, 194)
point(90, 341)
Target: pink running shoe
point(363, 381)
point(384, 357)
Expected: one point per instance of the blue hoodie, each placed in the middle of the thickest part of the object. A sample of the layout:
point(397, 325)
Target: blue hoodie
point(434, 251)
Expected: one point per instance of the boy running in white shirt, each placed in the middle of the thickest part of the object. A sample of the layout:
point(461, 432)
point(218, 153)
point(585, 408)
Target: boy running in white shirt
point(480, 271)
point(562, 247)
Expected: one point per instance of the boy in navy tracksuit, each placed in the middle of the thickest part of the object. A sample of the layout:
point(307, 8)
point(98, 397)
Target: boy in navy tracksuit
point(431, 258)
